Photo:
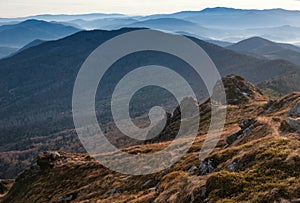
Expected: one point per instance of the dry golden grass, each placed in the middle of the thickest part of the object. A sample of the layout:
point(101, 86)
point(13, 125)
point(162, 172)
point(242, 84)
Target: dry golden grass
point(267, 169)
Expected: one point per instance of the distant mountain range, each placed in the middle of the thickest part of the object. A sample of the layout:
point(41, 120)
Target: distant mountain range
point(63, 17)
point(18, 35)
point(220, 17)
point(103, 23)
point(262, 47)
point(221, 24)
point(37, 83)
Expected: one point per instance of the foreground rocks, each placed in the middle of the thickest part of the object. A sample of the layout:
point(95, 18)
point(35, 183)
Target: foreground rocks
point(246, 126)
point(292, 122)
point(46, 159)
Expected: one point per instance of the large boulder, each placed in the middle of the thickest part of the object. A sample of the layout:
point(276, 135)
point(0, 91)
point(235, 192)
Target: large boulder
point(246, 126)
point(290, 125)
point(46, 159)
point(295, 111)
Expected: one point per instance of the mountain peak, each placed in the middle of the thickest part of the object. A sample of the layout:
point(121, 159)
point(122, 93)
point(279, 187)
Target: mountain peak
point(20, 34)
point(220, 9)
point(32, 22)
point(255, 41)
point(239, 91)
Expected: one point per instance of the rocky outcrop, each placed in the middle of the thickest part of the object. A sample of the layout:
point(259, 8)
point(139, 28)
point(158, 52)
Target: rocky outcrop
point(291, 124)
point(238, 91)
point(67, 197)
point(295, 111)
point(246, 126)
point(46, 159)
point(205, 167)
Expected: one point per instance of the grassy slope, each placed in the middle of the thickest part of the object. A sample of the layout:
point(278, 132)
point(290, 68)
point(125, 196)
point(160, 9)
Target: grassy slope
point(267, 168)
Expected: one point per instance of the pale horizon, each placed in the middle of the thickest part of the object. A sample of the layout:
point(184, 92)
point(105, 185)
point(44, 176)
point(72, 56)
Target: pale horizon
point(18, 8)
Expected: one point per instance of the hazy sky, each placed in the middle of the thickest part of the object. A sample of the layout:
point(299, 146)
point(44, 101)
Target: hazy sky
point(14, 8)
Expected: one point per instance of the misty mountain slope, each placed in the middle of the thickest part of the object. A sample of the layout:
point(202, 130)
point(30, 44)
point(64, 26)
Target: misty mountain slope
point(6, 51)
point(104, 23)
point(51, 68)
point(37, 85)
point(283, 33)
point(63, 17)
point(253, 69)
point(32, 44)
point(281, 85)
point(58, 61)
point(262, 165)
point(262, 47)
point(172, 24)
point(224, 24)
point(164, 22)
point(220, 17)
point(212, 41)
point(228, 24)
point(20, 34)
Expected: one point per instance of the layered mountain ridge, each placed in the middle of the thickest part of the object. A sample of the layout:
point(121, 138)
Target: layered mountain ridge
point(45, 74)
point(31, 30)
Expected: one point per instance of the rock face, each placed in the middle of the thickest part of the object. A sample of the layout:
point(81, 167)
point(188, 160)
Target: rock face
point(45, 160)
point(206, 167)
point(238, 91)
point(67, 197)
point(295, 111)
point(246, 126)
point(292, 122)
point(290, 125)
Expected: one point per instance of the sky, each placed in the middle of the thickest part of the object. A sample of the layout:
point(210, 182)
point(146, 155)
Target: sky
point(20, 8)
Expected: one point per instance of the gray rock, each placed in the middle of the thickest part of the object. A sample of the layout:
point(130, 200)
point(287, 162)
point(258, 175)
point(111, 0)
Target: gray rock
point(111, 192)
point(46, 160)
point(206, 167)
point(246, 126)
point(192, 198)
point(148, 182)
point(232, 166)
point(67, 197)
point(231, 138)
point(193, 170)
point(268, 106)
point(203, 192)
point(293, 123)
point(295, 111)
point(248, 129)
point(246, 123)
point(155, 188)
